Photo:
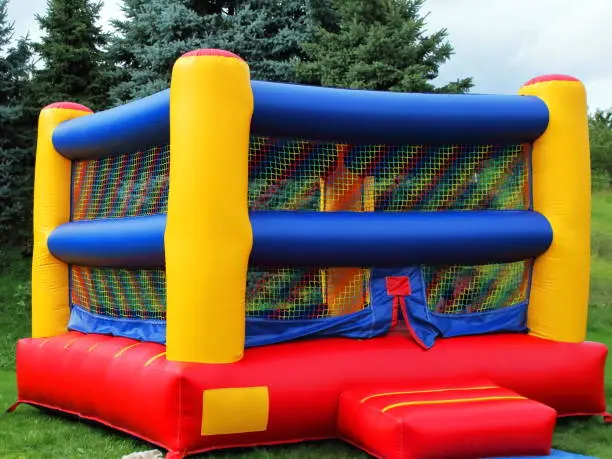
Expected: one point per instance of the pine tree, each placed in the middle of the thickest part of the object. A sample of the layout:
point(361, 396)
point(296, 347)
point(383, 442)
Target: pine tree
point(152, 36)
point(379, 45)
point(266, 33)
point(17, 119)
point(204, 7)
point(600, 134)
point(71, 50)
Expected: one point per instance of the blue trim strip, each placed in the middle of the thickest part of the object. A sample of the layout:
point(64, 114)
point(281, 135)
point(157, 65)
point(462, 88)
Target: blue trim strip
point(555, 454)
point(364, 324)
point(511, 319)
point(416, 303)
point(283, 238)
point(367, 323)
point(428, 326)
point(326, 114)
point(142, 330)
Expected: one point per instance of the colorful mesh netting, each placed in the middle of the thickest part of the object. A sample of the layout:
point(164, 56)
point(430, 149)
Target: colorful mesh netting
point(287, 175)
point(121, 186)
point(309, 176)
point(467, 289)
point(286, 294)
point(120, 293)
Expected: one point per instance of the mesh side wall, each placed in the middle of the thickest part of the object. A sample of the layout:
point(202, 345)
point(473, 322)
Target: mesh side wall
point(287, 175)
point(467, 289)
point(120, 293)
point(286, 294)
point(291, 175)
point(121, 186)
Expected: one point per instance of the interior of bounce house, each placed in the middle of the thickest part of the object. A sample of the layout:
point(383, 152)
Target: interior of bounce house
point(232, 263)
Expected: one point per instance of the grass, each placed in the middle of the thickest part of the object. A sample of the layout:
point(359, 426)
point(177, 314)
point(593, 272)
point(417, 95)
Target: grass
point(14, 304)
point(30, 433)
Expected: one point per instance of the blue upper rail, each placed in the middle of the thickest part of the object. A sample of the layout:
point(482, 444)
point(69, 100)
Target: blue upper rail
point(322, 114)
point(284, 238)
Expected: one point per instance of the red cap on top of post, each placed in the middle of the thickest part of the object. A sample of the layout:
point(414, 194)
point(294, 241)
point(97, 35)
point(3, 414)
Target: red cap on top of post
point(551, 77)
point(69, 106)
point(211, 52)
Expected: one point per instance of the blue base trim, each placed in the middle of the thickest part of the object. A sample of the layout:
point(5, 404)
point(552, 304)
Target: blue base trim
point(428, 325)
point(555, 453)
point(511, 319)
point(364, 324)
point(140, 329)
point(415, 303)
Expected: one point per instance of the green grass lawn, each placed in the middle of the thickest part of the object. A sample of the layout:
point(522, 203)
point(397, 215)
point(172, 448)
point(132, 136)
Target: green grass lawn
point(31, 434)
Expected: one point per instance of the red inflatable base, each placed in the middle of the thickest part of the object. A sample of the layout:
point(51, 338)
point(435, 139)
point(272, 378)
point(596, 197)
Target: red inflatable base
point(130, 386)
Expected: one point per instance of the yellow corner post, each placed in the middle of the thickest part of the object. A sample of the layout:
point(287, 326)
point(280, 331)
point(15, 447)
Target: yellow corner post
point(208, 235)
point(558, 307)
point(50, 296)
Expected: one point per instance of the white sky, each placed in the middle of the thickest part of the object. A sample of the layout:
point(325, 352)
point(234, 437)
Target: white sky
point(501, 43)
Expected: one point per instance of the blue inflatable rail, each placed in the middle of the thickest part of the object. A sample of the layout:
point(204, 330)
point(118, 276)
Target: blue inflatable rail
point(325, 239)
point(324, 114)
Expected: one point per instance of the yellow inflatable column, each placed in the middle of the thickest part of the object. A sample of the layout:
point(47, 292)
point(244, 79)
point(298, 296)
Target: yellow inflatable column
point(562, 193)
point(208, 234)
point(50, 295)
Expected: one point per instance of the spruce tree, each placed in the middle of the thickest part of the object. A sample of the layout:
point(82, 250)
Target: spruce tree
point(17, 119)
point(71, 51)
point(600, 134)
point(152, 36)
point(269, 34)
point(204, 7)
point(266, 33)
point(379, 45)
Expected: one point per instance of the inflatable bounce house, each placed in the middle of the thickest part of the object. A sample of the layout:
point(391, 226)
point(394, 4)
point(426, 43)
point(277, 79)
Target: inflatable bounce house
point(233, 263)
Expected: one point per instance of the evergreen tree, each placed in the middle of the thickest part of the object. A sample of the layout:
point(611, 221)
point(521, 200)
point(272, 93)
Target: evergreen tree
point(600, 134)
point(17, 118)
point(379, 45)
point(266, 33)
point(204, 7)
point(152, 36)
point(71, 50)
point(269, 34)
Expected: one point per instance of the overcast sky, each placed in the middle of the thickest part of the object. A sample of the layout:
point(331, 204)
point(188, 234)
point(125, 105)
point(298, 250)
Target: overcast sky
point(501, 43)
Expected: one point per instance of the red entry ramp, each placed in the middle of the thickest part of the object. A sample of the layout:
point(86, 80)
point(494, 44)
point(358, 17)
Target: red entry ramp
point(476, 419)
